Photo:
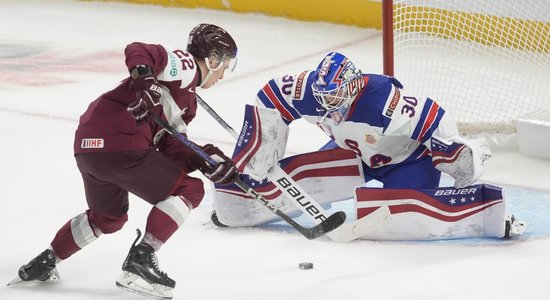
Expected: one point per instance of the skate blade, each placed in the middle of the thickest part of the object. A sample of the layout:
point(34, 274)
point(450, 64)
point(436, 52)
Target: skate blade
point(133, 283)
point(17, 281)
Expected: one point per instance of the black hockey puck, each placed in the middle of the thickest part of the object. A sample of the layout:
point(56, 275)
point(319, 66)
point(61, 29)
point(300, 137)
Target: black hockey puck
point(305, 266)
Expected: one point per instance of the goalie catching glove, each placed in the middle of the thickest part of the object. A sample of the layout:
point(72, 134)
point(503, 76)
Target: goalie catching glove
point(461, 158)
point(224, 172)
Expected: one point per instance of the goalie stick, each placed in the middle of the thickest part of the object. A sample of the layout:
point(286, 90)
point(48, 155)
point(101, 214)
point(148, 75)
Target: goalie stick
point(345, 232)
point(316, 231)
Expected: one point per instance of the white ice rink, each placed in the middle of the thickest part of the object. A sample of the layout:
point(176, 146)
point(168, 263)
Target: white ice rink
point(57, 56)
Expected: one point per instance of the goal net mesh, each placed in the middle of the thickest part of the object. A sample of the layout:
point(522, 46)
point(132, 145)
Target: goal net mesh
point(487, 62)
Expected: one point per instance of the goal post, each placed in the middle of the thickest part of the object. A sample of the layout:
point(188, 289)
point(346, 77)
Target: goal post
point(486, 61)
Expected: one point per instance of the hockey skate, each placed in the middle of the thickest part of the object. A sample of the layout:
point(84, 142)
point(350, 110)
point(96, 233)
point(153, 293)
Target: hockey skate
point(141, 274)
point(41, 268)
point(513, 227)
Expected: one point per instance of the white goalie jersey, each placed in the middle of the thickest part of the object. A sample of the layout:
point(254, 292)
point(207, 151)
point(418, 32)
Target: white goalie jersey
point(384, 126)
point(381, 131)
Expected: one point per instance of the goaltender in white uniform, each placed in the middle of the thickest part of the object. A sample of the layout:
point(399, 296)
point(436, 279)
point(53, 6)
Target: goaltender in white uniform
point(378, 132)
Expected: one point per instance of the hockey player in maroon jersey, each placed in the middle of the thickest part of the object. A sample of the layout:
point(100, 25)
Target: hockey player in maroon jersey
point(119, 149)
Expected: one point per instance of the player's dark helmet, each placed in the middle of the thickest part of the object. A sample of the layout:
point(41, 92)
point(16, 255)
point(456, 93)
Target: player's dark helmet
point(336, 82)
point(209, 41)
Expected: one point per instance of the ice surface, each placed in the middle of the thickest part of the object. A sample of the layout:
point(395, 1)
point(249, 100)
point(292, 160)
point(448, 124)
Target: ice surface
point(57, 56)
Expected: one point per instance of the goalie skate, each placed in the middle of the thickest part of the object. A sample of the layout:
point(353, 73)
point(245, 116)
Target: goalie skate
point(514, 227)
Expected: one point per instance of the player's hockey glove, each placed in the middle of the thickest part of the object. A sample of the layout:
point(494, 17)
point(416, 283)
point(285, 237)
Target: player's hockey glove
point(148, 93)
point(224, 173)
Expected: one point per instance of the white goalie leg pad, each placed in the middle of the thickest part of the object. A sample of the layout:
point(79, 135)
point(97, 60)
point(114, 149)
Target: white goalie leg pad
point(261, 143)
point(236, 208)
point(461, 158)
point(434, 214)
point(327, 176)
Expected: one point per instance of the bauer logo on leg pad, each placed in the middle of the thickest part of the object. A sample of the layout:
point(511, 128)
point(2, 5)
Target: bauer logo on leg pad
point(249, 139)
point(440, 213)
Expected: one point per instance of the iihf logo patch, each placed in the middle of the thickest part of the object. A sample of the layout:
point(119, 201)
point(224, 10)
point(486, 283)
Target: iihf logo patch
point(95, 143)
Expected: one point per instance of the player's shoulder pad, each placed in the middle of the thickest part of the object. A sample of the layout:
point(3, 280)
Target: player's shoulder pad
point(376, 81)
point(395, 82)
point(180, 66)
point(376, 105)
point(376, 91)
point(399, 110)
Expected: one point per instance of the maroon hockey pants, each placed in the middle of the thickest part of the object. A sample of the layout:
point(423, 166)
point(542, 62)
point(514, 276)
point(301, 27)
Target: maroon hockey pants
point(108, 177)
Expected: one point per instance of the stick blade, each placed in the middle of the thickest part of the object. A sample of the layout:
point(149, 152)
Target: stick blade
point(354, 230)
point(328, 225)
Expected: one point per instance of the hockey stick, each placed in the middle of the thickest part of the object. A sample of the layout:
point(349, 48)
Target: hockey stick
point(345, 232)
point(316, 231)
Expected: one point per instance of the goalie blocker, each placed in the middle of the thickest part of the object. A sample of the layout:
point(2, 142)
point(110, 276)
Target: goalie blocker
point(261, 143)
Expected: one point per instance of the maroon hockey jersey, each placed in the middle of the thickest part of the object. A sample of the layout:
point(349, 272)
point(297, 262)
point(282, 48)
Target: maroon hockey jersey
point(106, 126)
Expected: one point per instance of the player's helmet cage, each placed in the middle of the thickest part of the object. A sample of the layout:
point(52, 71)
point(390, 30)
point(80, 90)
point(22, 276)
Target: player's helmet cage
point(213, 43)
point(336, 82)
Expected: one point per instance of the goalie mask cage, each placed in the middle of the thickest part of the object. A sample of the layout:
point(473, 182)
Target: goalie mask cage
point(487, 62)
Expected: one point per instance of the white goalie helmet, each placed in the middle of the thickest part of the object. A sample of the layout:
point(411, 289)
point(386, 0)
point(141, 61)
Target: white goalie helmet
point(336, 82)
